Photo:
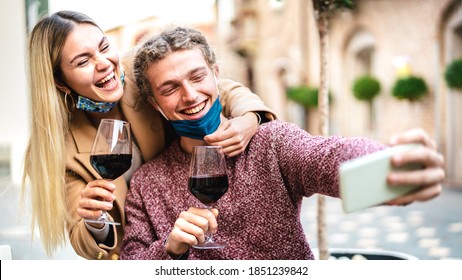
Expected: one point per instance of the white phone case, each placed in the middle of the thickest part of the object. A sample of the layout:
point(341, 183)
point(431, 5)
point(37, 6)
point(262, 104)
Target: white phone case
point(363, 181)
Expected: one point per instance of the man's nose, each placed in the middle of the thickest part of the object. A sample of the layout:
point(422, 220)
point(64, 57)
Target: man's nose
point(189, 93)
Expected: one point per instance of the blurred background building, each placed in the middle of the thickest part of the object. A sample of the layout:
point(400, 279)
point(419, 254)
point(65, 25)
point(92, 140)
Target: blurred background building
point(279, 48)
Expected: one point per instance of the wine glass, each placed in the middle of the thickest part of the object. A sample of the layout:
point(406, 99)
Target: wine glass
point(208, 182)
point(111, 154)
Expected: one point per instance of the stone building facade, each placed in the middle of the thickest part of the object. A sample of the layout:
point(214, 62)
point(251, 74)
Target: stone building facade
point(270, 45)
point(279, 47)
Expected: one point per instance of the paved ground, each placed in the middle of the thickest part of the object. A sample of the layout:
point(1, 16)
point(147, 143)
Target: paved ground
point(430, 231)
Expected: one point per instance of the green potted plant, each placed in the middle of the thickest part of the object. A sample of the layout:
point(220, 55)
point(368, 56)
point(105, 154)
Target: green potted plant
point(453, 74)
point(304, 95)
point(411, 88)
point(366, 87)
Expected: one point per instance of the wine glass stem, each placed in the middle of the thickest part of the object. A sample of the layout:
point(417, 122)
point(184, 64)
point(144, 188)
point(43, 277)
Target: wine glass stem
point(104, 216)
point(208, 237)
point(208, 234)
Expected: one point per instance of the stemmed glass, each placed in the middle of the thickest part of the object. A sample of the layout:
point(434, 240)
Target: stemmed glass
point(111, 154)
point(208, 182)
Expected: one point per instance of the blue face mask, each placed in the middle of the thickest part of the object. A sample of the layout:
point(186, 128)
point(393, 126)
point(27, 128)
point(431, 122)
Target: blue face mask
point(89, 105)
point(197, 129)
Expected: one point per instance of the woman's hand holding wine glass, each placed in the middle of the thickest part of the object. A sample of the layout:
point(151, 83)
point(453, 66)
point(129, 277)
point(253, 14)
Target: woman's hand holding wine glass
point(97, 195)
point(111, 156)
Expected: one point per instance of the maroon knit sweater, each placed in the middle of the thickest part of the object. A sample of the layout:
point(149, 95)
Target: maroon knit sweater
point(260, 214)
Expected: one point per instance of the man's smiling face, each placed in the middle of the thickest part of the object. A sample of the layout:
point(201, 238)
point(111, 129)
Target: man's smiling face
point(183, 84)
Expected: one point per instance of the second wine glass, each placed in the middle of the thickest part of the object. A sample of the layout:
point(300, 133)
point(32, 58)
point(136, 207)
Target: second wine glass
point(111, 154)
point(208, 182)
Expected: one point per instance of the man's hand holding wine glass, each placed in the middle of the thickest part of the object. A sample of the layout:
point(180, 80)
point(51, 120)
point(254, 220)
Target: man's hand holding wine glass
point(208, 182)
point(190, 228)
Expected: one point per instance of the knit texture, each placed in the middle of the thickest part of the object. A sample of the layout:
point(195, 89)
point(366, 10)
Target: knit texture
point(259, 216)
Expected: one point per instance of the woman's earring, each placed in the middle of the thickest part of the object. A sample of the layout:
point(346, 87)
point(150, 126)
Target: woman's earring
point(67, 97)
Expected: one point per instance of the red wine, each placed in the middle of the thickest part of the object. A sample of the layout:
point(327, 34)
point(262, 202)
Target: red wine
point(208, 188)
point(111, 166)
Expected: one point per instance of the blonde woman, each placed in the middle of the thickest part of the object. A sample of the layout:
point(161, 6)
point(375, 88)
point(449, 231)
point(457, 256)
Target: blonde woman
point(76, 79)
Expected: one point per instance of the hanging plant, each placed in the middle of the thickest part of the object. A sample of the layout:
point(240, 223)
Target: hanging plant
point(304, 95)
point(411, 88)
point(453, 74)
point(366, 87)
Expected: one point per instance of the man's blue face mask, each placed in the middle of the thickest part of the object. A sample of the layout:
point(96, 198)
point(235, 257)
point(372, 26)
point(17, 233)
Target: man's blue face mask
point(197, 129)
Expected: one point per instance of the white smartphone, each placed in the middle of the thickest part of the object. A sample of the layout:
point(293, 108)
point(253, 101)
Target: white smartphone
point(363, 181)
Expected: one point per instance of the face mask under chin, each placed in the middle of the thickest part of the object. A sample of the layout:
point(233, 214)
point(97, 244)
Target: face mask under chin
point(86, 104)
point(89, 105)
point(197, 129)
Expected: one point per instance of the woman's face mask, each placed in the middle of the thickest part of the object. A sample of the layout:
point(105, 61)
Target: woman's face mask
point(86, 104)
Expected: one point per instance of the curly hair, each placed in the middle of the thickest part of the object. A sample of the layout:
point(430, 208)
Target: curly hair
point(158, 47)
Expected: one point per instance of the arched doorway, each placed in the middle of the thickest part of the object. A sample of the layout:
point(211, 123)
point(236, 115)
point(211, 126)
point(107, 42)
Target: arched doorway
point(359, 60)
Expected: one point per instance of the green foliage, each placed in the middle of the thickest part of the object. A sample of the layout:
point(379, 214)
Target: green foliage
point(304, 95)
point(411, 88)
point(366, 87)
point(453, 74)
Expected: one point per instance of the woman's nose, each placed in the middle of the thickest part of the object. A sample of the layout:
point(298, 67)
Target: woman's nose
point(102, 63)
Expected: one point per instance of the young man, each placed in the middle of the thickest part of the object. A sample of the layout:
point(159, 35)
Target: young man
point(260, 214)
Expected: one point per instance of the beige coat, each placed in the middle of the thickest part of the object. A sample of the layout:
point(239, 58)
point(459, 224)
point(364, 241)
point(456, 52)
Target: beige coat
point(148, 131)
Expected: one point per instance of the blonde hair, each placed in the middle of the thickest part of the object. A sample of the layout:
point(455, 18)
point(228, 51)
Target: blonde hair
point(45, 158)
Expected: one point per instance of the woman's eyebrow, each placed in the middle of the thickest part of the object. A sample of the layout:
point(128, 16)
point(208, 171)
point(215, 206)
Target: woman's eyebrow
point(103, 40)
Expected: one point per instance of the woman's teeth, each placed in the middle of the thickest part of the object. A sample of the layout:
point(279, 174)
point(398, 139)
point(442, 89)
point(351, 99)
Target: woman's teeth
point(103, 81)
point(195, 110)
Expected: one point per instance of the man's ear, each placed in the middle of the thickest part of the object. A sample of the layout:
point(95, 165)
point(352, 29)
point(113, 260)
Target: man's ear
point(216, 71)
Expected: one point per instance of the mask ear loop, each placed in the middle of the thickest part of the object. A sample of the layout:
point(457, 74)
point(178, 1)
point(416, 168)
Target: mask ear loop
point(156, 105)
point(162, 112)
